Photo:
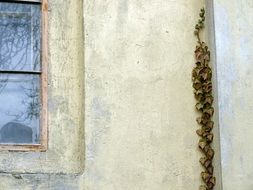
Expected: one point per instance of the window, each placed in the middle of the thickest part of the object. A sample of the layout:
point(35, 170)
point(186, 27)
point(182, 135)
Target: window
point(23, 75)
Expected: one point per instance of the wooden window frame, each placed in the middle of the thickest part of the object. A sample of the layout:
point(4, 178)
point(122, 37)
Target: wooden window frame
point(43, 145)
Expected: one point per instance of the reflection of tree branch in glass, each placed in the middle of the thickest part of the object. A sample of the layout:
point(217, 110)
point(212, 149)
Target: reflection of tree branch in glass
point(32, 103)
point(19, 71)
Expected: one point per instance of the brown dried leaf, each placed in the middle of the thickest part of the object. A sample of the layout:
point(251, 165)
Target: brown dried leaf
point(209, 111)
point(207, 56)
point(202, 160)
point(210, 186)
point(199, 106)
point(211, 183)
point(207, 129)
point(199, 53)
point(197, 84)
point(209, 137)
point(210, 169)
point(207, 148)
point(202, 145)
point(200, 132)
point(197, 92)
point(206, 177)
point(199, 120)
point(210, 124)
point(195, 71)
point(207, 163)
point(210, 153)
point(202, 187)
point(209, 100)
point(199, 64)
point(204, 76)
point(213, 180)
point(199, 97)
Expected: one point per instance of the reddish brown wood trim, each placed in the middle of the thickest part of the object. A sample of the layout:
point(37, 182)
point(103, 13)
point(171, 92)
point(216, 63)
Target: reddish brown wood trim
point(44, 77)
point(23, 147)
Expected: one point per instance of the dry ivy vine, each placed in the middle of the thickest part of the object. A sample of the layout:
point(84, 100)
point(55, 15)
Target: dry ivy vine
point(202, 84)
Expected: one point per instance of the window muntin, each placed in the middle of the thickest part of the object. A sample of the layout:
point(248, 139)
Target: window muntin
point(22, 78)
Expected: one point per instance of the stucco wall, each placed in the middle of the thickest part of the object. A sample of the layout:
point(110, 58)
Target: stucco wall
point(233, 33)
point(139, 106)
point(140, 119)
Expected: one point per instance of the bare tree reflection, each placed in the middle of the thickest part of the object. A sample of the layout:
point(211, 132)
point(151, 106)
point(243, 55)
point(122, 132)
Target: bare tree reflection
point(14, 41)
point(31, 102)
point(3, 82)
point(24, 111)
point(20, 51)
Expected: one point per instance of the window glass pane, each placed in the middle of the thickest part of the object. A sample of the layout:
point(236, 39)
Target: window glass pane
point(20, 41)
point(20, 108)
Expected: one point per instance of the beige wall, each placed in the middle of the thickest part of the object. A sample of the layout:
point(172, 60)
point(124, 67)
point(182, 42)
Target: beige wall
point(139, 106)
point(140, 119)
point(234, 44)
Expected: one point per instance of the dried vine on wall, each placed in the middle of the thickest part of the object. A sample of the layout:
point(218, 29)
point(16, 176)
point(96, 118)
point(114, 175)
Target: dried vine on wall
point(202, 84)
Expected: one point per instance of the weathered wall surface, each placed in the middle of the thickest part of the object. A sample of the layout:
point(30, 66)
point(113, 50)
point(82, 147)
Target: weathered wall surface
point(58, 167)
point(66, 98)
point(140, 120)
point(234, 47)
point(139, 106)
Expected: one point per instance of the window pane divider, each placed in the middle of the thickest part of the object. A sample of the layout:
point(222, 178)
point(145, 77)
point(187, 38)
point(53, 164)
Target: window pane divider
point(21, 1)
point(20, 72)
